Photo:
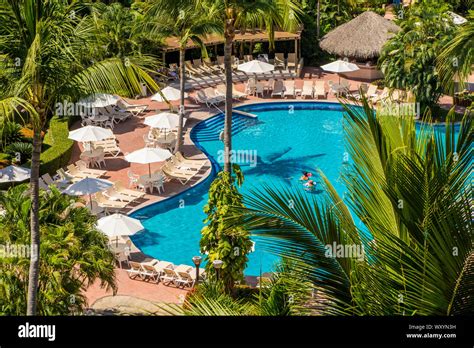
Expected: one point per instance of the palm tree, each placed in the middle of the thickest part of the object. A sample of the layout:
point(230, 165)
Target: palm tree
point(240, 15)
point(457, 57)
point(187, 20)
point(54, 49)
point(73, 253)
point(413, 250)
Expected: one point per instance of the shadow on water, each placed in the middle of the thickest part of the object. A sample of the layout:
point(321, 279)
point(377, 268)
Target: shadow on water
point(281, 168)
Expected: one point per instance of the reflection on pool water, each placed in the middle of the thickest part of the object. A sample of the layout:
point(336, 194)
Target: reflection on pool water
point(275, 148)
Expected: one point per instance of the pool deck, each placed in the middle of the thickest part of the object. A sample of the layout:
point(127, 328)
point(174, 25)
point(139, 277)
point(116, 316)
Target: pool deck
point(130, 138)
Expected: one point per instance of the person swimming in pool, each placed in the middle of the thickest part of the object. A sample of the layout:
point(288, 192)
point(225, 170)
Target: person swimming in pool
point(310, 185)
point(306, 176)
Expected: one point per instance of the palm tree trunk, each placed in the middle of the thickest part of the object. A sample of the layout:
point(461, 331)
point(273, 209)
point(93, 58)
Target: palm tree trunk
point(182, 72)
point(34, 225)
point(318, 19)
point(229, 38)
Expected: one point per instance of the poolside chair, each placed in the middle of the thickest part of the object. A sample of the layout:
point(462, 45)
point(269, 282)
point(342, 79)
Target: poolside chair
point(190, 161)
point(135, 270)
point(291, 61)
point(169, 276)
point(279, 60)
point(278, 89)
point(289, 90)
point(135, 110)
point(112, 194)
point(149, 272)
point(370, 93)
point(184, 279)
point(75, 172)
point(174, 173)
point(82, 166)
point(319, 90)
point(118, 186)
point(259, 90)
point(191, 70)
point(107, 204)
point(307, 90)
point(185, 165)
point(250, 86)
point(384, 95)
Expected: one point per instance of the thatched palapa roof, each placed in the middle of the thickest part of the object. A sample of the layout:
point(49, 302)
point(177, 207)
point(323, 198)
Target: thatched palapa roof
point(361, 38)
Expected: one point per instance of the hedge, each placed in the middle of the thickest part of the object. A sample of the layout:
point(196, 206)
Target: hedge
point(57, 148)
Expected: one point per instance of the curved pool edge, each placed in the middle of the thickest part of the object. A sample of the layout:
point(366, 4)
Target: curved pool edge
point(215, 165)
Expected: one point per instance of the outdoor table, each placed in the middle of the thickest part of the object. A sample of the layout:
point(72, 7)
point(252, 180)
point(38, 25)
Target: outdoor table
point(154, 177)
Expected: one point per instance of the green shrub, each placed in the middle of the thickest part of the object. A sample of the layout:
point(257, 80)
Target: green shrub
point(24, 150)
point(10, 132)
point(57, 148)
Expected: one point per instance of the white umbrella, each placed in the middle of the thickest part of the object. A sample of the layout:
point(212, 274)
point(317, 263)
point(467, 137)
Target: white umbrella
point(256, 67)
point(14, 173)
point(99, 100)
point(116, 225)
point(90, 133)
point(170, 93)
point(87, 186)
point(164, 120)
point(148, 155)
point(340, 66)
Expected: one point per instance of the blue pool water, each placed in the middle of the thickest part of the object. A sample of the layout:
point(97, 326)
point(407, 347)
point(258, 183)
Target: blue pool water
point(274, 148)
point(285, 140)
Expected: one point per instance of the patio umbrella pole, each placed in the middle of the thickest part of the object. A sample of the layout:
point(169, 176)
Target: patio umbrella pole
point(149, 170)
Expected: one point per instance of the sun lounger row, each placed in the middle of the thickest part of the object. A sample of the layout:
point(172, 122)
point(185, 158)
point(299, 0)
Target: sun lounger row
point(166, 272)
point(117, 197)
point(109, 146)
point(182, 169)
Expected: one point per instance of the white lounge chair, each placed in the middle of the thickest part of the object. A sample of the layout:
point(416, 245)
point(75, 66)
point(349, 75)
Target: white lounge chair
point(278, 89)
point(289, 90)
point(307, 89)
point(319, 90)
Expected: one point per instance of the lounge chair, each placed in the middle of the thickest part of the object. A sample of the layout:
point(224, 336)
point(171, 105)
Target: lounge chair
point(82, 166)
point(184, 279)
point(169, 276)
point(128, 192)
point(182, 164)
point(278, 88)
point(112, 194)
point(319, 90)
point(289, 90)
point(291, 61)
point(149, 272)
point(384, 95)
point(370, 93)
point(191, 70)
point(280, 61)
point(161, 265)
point(237, 95)
point(135, 110)
point(307, 89)
point(174, 173)
point(107, 204)
point(191, 161)
point(84, 172)
point(135, 270)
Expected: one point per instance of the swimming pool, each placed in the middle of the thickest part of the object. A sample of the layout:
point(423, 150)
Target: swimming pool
point(276, 147)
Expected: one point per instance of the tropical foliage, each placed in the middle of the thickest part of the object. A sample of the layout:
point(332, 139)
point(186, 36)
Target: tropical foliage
point(457, 57)
point(408, 60)
point(73, 254)
point(231, 246)
point(286, 293)
point(188, 21)
point(405, 228)
point(51, 57)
